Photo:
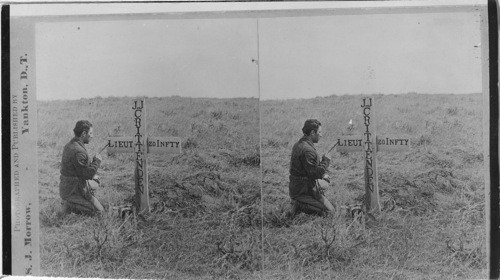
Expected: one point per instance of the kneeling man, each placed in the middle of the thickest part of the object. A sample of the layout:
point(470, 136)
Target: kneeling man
point(306, 167)
point(78, 174)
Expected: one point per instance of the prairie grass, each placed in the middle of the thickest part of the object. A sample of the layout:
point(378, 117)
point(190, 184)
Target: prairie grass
point(220, 210)
point(432, 224)
point(205, 219)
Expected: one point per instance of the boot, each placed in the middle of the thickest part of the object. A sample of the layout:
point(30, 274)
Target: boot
point(65, 207)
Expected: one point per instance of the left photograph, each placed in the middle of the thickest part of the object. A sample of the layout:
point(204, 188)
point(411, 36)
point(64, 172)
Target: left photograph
point(148, 147)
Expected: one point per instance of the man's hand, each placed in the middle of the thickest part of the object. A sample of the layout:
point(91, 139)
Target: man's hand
point(96, 178)
point(93, 184)
point(98, 156)
point(326, 178)
point(327, 156)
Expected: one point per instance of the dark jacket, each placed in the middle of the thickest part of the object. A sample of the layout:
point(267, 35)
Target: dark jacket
point(76, 168)
point(305, 169)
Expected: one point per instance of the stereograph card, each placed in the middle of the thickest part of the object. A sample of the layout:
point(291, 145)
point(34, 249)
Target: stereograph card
point(193, 111)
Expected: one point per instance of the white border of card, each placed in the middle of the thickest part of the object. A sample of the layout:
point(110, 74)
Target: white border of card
point(24, 18)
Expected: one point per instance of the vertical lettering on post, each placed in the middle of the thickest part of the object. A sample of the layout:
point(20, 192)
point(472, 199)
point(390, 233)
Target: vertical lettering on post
point(139, 142)
point(371, 184)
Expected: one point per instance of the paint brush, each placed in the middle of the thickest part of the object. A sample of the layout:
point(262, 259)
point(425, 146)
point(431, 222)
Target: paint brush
point(332, 147)
point(103, 148)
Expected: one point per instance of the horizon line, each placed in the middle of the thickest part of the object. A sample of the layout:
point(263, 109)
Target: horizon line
point(254, 97)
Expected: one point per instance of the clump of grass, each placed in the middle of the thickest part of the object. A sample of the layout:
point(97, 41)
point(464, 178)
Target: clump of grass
point(238, 248)
point(275, 143)
point(452, 111)
point(217, 115)
point(252, 159)
point(308, 244)
point(190, 143)
point(423, 140)
point(239, 158)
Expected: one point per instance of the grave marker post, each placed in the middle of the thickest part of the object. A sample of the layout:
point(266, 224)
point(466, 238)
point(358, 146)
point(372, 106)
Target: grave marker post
point(372, 201)
point(141, 164)
point(369, 143)
point(140, 145)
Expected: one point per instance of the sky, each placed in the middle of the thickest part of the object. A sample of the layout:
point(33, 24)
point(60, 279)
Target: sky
point(389, 54)
point(195, 58)
point(270, 58)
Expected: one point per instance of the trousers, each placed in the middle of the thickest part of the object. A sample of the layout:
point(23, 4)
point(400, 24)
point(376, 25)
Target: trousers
point(83, 203)
point(310, 205)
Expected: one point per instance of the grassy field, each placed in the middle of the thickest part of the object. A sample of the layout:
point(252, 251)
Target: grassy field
point(432, 224)
point(212, 204)
point(205, 220)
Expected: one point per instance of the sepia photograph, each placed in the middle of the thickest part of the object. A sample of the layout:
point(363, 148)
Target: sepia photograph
point(263, 140)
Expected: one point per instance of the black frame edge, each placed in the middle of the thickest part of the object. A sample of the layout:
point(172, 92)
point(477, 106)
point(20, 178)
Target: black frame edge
point(6, 191)
point(494, 164)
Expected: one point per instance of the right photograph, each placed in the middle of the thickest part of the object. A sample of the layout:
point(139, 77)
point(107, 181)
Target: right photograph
point(374, 140)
